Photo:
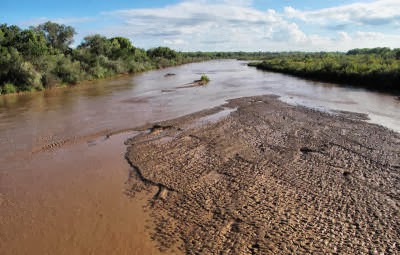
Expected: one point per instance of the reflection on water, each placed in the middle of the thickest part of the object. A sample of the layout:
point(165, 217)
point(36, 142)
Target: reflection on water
point(31, 120)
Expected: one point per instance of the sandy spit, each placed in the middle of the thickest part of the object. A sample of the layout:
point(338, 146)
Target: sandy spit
point(270, 178)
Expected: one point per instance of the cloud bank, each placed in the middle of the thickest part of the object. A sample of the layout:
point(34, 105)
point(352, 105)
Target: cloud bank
point(222, 25)
point(376, 13)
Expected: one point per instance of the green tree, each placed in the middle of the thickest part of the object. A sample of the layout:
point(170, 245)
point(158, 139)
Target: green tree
point(31, 44)
point(57, 36)
point(9, 35)
point(14, 70)
point(96, 44)
point(120, 47)
point(397, 54)
point(162, 52)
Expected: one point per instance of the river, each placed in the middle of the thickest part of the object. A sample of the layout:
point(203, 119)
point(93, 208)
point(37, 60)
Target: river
point(63, 180)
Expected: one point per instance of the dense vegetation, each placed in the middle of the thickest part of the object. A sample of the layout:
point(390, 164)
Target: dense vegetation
point(204, 79)
point(377, 68)
point(41, 57)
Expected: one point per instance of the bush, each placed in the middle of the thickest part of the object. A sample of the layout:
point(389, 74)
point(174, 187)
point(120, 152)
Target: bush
point(113, 66)
point(163, 62)
point(30, 77)
point(162, 52)
point(98, 72)
point(14, 70)
point(9, 88)
point(68, 71)
point(204, 78)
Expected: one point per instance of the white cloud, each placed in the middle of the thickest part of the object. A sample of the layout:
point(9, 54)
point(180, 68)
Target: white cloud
point(209, 25)
point(343, 41)
point(375, 13)
point(175, 42)
point(231, 25)
point(344, 37)
point(238, 2)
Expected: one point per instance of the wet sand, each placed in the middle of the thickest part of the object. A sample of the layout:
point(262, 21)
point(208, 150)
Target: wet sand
point(258, 176)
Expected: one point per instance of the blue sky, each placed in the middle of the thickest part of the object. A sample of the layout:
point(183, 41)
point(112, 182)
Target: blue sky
point(214, 25)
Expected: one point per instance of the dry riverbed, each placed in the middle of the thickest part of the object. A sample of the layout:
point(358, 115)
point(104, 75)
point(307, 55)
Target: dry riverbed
point(258, 176)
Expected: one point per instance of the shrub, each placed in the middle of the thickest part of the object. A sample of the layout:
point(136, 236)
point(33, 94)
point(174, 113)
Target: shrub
point(30, 78)
point(9, 88)
point(98, 72)
point(204, 78)
point(68, 71)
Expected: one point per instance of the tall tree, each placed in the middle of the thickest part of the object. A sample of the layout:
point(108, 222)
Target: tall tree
point(9, 35)
point(96, 44)
point(57, 36)
point(162, 52)
point(121, 47)
point(31, 44)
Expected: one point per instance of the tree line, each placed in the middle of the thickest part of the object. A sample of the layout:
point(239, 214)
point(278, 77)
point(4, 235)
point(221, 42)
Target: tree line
point(41, 57)
point(376, 68)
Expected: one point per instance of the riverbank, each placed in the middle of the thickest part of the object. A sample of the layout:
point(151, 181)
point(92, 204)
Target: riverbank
point(103, 79)
point(373, 69)
point(44, 64)
point(371, 83)
point(258, 176)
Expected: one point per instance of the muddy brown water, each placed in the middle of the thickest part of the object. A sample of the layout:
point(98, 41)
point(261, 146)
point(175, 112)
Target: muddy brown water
point(62, 179)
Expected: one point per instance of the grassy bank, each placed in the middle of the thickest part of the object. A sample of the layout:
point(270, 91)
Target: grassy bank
point(375, 69)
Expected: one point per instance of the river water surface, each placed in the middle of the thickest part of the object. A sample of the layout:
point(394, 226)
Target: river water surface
point(62, 179)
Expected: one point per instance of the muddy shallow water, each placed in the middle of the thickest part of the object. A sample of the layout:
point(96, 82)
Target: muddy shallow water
point(28, 122)
point(71, 201)
point(62, 182)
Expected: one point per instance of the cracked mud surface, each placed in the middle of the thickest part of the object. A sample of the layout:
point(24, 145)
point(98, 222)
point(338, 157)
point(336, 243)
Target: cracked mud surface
point(271, 178)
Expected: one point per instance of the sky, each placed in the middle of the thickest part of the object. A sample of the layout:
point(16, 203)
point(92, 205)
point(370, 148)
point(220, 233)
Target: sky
point(222, 25)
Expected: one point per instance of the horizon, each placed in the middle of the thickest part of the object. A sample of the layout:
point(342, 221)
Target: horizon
point(221, 25)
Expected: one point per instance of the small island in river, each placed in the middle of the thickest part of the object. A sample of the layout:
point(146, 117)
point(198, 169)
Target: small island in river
point(259, 176)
